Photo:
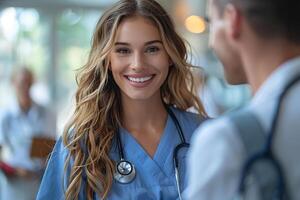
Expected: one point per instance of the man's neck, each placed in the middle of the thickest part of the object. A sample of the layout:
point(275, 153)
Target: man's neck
point(25, 105)
point(261, 61)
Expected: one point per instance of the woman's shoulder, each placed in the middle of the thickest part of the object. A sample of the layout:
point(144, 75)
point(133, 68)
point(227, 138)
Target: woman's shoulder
point(188, 116)
point(59, 149)
point(189, 121)
point(51, 184)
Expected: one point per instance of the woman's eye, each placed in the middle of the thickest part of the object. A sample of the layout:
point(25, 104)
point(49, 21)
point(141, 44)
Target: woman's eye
point(123, 51)
point(152, 49)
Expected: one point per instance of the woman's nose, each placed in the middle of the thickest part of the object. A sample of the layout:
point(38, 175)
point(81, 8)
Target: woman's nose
point(137, 61)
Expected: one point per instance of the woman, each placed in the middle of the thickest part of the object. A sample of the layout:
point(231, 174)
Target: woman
point(134, 88)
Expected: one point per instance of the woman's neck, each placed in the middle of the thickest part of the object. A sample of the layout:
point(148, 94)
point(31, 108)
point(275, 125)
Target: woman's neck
point(145, 120)
point(140, 114)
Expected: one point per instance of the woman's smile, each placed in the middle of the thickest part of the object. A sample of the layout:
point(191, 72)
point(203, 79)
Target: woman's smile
point(139, 80)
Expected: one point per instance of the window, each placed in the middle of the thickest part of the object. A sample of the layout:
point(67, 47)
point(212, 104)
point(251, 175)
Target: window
point(51, 37)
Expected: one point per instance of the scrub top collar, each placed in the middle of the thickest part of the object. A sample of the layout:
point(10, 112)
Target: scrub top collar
point(160, 162)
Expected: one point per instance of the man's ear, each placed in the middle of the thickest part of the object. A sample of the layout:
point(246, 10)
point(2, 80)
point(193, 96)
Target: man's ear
point(233, 18)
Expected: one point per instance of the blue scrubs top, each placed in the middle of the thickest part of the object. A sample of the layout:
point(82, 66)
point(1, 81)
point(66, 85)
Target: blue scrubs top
point(155, 177)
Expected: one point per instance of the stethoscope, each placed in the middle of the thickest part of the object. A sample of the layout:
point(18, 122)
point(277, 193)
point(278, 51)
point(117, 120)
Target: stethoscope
point(125, 171)
point(267, 154)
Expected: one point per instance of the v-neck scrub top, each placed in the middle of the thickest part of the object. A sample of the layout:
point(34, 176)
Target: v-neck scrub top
point(155, 177)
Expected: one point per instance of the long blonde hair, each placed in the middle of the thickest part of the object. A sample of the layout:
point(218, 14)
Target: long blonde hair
point(89, 133)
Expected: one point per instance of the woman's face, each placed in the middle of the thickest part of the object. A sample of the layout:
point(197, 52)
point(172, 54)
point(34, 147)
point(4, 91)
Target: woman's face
point(138, 60)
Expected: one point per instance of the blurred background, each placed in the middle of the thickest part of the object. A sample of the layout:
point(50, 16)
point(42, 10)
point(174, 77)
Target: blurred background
point(53, 38)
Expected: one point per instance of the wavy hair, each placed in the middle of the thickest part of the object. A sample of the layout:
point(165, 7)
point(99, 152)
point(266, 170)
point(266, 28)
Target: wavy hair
point(90, 132)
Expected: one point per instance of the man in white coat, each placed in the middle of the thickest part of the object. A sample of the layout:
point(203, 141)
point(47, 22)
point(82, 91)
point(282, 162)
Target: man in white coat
point(258, 42)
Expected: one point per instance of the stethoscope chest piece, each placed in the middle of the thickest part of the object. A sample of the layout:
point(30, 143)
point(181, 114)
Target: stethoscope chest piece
point(125, 172)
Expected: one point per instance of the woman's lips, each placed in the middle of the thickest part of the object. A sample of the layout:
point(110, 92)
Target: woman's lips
point(139, 81)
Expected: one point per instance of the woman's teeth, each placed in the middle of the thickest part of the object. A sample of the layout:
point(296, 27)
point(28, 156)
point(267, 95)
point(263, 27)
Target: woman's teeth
point(139, 80)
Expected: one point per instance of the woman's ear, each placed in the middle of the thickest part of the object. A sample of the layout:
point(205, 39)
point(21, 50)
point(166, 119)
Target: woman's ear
point(108, 60)
point(171, 63)
point(109, 63)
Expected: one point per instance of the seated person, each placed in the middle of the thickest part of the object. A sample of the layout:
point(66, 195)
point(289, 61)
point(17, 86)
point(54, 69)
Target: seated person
point(20, 123)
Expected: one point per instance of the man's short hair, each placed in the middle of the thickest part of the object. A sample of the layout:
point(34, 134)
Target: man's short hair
point(269, 18)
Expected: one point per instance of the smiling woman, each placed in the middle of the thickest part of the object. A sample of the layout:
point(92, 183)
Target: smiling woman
point(139, 61)
point(130, 113)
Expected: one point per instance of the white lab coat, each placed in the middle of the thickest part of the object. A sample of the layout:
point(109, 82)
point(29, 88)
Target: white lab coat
point(16, 131)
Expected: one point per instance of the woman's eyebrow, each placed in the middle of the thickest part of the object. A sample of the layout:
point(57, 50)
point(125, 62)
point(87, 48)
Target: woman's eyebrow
point(146, 43)
point(153, 41)
point(122, 43)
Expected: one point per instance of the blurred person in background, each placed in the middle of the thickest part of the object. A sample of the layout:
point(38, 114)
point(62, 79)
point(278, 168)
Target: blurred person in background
point(23, 120)
point(258, 41)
